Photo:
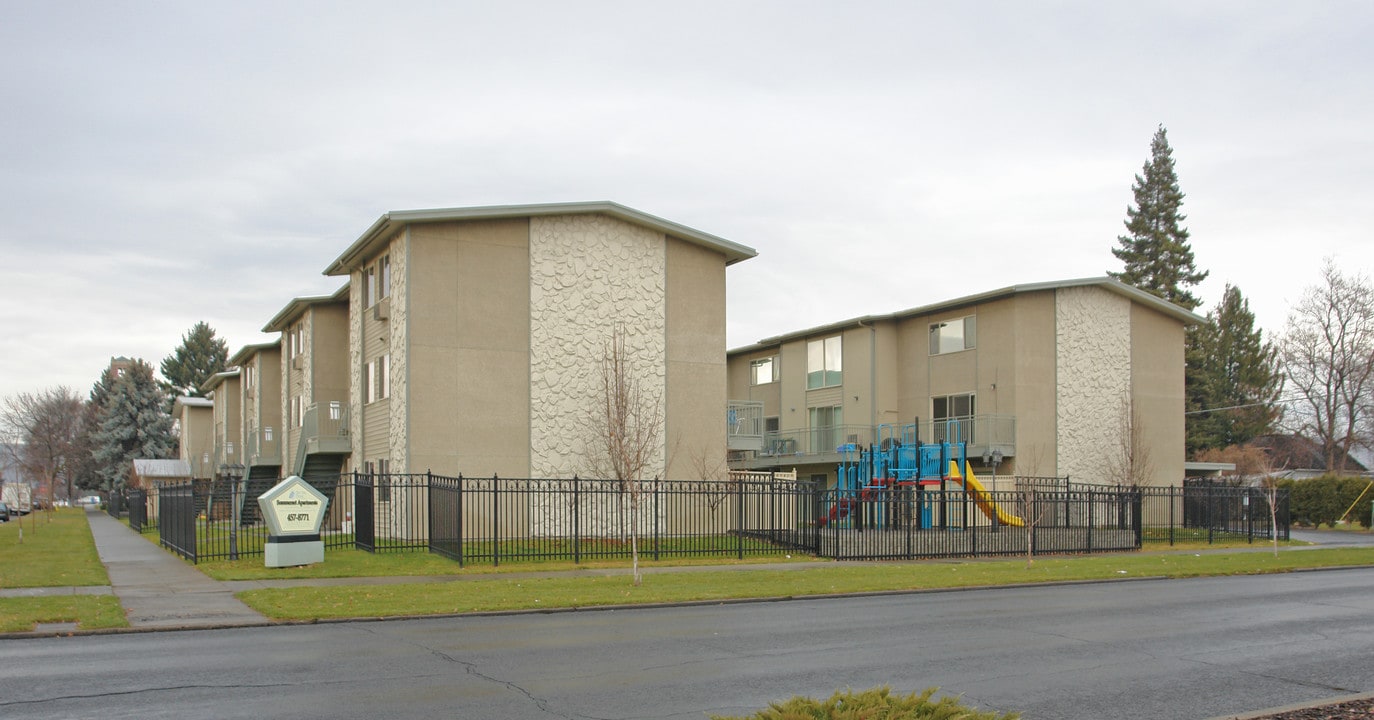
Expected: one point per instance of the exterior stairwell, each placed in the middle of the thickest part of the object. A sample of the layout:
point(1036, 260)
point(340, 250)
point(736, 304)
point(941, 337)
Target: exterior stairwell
point(323, 447)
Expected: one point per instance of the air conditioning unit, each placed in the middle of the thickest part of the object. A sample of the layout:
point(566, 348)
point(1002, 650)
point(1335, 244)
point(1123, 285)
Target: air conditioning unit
point(380, 311)
point(298, 362)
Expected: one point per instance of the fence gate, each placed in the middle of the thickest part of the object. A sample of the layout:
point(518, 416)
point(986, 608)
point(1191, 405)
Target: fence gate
point(364, 514)
point(138, 509)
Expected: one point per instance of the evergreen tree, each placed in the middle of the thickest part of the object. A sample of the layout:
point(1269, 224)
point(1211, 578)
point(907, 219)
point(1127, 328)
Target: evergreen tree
point(85, 470)
point(199, 356)
point(1157, 256)
point(133, 424)
point(1234, 379)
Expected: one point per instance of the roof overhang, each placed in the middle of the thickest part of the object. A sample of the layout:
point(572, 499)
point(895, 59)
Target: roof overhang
point(392, 222)
point(298, 306)
point(1106, 283)
point(217, 379)
point(248, 351)
point(191, 402)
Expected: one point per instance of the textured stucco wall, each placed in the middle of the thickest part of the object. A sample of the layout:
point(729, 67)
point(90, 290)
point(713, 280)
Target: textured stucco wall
point(1093, 376)
point(355, 366)
point(589, 273)
point(400, 420)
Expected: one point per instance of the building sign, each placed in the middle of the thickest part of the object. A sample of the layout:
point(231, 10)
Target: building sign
point(293, 507)
point(294, 511)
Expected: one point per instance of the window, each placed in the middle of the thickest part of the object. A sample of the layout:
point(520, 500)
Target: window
point(248, 377)
point(958, 408)
point(826, 425)
point(383, 482)
point(377, 280)
point(384, 276)
point(824, 363)
point(229, 448)
point(953, 335)
point(377, 379)
point(770, 425)
point(297, 417)
point(762, 372)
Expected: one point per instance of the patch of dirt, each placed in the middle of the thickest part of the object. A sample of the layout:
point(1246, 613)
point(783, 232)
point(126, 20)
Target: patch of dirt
point(1351, 710)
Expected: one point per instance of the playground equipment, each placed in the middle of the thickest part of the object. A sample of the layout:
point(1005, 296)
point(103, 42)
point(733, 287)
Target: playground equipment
point(901, 480)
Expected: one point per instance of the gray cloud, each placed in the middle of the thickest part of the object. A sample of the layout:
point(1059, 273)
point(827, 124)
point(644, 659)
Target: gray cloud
point(166, 164)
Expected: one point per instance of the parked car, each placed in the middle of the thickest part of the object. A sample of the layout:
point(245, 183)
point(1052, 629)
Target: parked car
point(4, 512)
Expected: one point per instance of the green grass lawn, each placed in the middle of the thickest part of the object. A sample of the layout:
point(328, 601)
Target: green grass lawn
point(54, 554)
point(59, 553)
point(90, 611)
point(512, 593)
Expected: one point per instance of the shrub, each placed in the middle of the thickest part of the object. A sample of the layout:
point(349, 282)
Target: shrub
point(1321, 500)
point(875, 704)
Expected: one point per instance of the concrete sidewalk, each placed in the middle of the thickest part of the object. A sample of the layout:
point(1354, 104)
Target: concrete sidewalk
point(157, 588)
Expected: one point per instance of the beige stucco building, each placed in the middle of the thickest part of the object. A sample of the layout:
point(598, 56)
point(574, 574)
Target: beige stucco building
point(195, 418)
point(475, 335)
point(314, 400)
point(260, 418)
point(1040, 379)
point(224, 391)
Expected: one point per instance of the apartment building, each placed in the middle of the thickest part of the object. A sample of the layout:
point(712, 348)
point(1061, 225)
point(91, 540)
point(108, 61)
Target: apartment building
point(1039, 379)
point(195, 419)
point(475, 335)
point(314, 401)
point(224, 391)
point(259, 367)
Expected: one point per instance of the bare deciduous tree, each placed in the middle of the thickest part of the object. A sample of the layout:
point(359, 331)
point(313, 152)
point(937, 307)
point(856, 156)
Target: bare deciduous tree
point(1327, 350)
point(1130, 464)
point(626, 429)
point(41, 430)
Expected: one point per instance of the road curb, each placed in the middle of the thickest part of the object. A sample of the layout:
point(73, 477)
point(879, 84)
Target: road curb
point(1258, 714)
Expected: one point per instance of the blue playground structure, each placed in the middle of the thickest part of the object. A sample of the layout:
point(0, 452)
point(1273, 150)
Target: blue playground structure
point(888, 482)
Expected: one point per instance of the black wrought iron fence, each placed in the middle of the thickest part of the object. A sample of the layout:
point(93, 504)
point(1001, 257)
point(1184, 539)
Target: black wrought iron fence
point(914, 522)
point(1212, 512)
point(137, 502)
point(496, 520)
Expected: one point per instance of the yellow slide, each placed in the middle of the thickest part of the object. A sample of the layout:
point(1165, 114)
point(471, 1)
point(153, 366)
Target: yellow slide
point(981, 499)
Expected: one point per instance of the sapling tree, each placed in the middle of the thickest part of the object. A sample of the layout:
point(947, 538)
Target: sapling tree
point(626, 427)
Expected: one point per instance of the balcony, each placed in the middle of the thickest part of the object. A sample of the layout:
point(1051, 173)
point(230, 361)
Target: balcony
point(985, 435)
point(324, 428)
point(263, 446)
point(744, 425)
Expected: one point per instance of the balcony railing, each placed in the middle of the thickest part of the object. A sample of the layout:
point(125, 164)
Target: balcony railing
point(744, 425)
point(263, 446)
point(984, 434)
point(324, 430)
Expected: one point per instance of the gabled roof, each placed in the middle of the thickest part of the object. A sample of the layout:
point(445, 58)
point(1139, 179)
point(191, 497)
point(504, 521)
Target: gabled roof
point(186, 401)
point(389, 223)
point(215, 380)
point(1106, 283)
point(298, 306)
point(248, 351)
point(1295, 452)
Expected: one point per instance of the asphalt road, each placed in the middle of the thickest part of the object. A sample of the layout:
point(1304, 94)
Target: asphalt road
point(1150, 649)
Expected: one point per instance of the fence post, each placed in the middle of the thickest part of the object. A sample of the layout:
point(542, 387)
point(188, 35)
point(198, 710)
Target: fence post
point(1090, 519)
point(1138, 518)
point(460, 537)
point(577, 521)
point(656, 528)
point(1173, 501)
point(739, 531)
point(1250, 498)
point(495, 521)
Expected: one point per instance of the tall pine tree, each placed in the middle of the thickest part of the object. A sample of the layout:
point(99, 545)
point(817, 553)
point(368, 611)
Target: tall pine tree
point(199, 356)
point(1157, 256)
point(1235, 382)
point(133, 424)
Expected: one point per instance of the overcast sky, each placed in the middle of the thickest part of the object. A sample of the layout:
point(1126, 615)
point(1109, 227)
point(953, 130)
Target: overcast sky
point(166, 163)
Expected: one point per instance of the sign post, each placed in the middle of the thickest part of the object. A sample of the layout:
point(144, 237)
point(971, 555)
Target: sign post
point(294, 511)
